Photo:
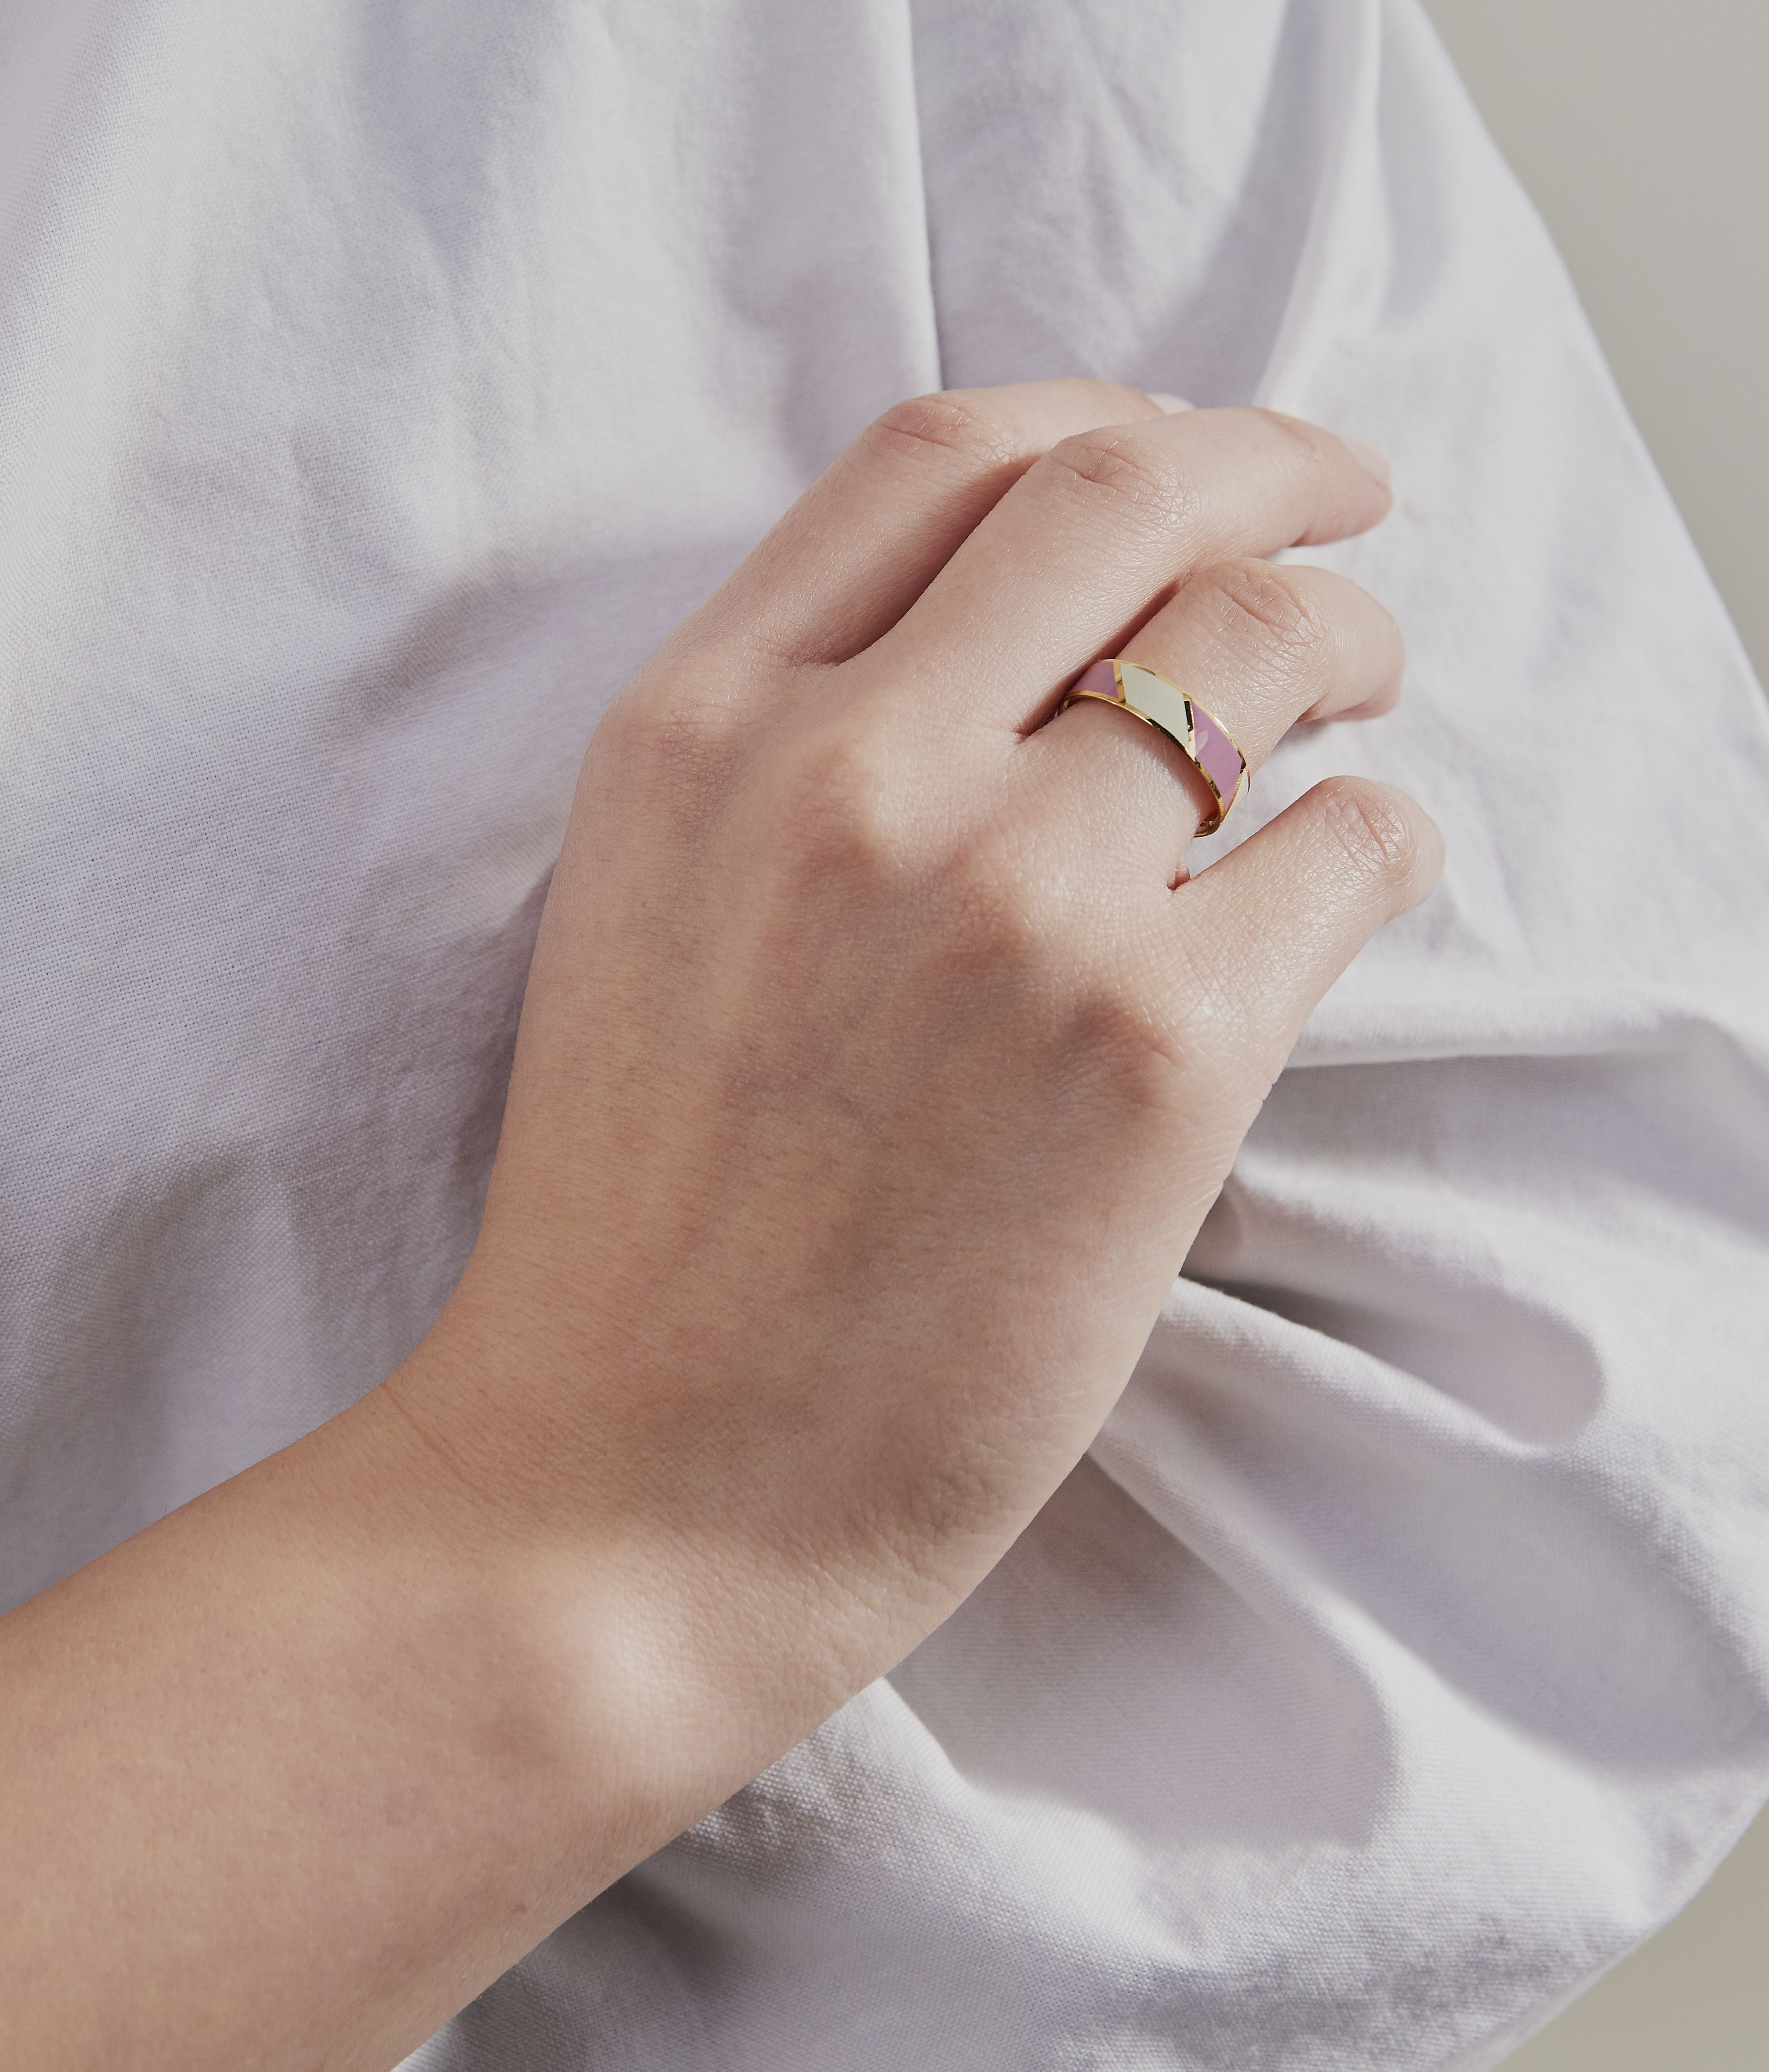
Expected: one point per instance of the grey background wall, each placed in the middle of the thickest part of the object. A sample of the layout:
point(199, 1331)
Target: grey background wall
point(1638, 127)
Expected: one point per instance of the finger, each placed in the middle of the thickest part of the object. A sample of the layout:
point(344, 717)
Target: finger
point(1260, 645)
point(867, 538)
point(1100, 530)
point(1265, 931)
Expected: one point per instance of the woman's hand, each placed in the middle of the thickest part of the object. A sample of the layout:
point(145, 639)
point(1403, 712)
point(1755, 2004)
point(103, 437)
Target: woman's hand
point(877, 1066)
point(879, 1062)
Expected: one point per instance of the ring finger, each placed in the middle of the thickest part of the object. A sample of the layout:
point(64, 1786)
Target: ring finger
point(1260, 645)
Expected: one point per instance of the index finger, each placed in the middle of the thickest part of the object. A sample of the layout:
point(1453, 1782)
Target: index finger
point(1102, 529)
point(865, 541)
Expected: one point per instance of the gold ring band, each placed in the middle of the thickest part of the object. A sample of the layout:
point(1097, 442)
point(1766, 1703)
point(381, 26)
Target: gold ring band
point(1200, 736)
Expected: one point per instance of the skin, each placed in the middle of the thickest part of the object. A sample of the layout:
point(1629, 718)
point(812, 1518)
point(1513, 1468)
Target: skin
point(877, 1065)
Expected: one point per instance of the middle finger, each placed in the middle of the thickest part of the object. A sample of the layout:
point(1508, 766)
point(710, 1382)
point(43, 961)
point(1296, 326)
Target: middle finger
point(1101, 529)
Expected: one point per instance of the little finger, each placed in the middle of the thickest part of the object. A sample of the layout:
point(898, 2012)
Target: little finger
point(1265, 931)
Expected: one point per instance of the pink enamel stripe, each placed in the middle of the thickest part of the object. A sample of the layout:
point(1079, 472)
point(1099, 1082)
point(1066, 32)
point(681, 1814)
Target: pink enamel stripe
point(1215, 754)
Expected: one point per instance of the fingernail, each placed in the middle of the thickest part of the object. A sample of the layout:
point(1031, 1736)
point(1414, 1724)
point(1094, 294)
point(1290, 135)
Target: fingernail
point(1171, 404)
point(1372, 459)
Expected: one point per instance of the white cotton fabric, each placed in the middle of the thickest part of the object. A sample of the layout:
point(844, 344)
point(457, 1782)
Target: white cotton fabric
point(378, 380)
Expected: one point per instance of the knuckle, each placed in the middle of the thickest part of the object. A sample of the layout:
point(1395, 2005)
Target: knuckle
point(1116, 985)
point(837, 803)
point(1369, 829)
point(1143, 1046)
point(1123, 466)
point(1005, 922)
point(1321, 477)
point(1261, 604)
point(1305, 445)
point(661, 738)
point(854, 853)
point(955, 423)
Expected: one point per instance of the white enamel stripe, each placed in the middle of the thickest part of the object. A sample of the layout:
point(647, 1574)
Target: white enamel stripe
point(1165, 707)
point(1162, 704)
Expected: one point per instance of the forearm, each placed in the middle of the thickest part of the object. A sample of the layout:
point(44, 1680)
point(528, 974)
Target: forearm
point(286, 1778)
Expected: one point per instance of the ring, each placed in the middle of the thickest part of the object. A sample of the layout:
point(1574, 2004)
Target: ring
point(1204, 740)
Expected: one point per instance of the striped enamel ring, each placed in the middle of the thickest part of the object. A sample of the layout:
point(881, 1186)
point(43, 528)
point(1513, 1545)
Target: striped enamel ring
point(1202, 738)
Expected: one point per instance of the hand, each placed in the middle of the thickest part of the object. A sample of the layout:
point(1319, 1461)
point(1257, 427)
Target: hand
point(879, 1062)
point(877, 1066)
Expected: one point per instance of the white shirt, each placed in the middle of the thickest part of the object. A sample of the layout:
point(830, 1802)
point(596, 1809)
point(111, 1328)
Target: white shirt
point(377, 383)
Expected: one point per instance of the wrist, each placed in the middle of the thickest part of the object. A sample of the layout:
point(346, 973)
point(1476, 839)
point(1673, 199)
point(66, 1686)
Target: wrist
point(685, 1614)
point(590, 1600)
